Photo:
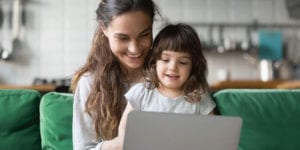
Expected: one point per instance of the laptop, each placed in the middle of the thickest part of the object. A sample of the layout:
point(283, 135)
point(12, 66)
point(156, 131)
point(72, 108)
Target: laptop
point(170, 131)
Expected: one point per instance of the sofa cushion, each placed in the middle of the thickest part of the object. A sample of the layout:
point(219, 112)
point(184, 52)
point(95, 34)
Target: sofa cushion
point(19, 120)
point(56, 121)
point(270, 117)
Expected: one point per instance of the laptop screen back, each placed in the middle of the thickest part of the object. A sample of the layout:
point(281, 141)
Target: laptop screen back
point(169, 131)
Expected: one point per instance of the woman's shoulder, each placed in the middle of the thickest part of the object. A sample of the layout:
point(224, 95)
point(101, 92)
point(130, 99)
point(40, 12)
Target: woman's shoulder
point(86, 79)
point(85, 83)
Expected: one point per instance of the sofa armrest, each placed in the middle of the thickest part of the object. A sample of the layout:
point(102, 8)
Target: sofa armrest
point(56, 121)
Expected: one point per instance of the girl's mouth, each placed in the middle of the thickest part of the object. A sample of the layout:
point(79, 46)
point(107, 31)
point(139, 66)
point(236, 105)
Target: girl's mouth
point(173, 77)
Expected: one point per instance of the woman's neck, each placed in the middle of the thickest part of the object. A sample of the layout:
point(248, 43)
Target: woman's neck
point(134, 76)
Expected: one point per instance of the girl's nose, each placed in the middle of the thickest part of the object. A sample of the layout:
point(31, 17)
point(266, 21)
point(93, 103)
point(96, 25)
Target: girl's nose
point(172, 65)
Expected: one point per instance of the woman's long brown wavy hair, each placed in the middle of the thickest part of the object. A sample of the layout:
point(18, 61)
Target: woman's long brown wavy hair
point(179, 38)
point(106, 103)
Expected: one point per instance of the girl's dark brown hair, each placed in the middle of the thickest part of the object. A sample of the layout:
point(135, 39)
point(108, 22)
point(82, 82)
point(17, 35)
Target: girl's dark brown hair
point(180, 38)
point(106, 102)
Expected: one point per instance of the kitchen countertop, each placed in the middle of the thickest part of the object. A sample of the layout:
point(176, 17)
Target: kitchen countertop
point(232, 84)
point(41, 88)
point(255, 84)
point(293, 84)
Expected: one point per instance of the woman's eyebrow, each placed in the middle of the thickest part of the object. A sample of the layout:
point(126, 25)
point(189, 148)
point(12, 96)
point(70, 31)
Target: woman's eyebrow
point(125, 35)
point(120, 35)
point(146, 30)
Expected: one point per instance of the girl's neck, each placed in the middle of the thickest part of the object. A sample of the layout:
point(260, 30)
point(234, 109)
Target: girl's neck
point(171, 93)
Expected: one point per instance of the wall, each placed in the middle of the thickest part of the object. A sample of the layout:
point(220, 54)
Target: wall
point(57, 35)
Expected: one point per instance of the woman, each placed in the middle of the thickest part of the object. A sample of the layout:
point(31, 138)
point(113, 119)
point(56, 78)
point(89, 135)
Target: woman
point(114, 64)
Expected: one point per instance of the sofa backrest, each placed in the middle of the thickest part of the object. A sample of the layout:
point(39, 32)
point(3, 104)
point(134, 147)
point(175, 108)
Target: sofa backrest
point(19, 120)
point(56, 121)
point(270, 117)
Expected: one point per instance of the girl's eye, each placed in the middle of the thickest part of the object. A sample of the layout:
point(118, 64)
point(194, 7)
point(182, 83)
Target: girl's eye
point(165, 60)
point(184, 62)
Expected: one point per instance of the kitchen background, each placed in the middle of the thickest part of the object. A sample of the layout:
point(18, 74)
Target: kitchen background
point(44, 41)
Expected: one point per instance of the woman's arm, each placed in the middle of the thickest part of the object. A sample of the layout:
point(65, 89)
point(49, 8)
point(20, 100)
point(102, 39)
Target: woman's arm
point(123, 121)
point(83, 127)
point(117, 143)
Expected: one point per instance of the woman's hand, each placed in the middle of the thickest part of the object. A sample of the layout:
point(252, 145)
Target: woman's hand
point(117, 142)
point(123, 122)
point(114, 144)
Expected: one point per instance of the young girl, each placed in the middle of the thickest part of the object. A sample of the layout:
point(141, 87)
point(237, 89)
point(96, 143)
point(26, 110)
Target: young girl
point(176, 76)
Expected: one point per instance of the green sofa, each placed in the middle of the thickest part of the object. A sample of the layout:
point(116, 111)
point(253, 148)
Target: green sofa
point(31, 121)
point(271, 118)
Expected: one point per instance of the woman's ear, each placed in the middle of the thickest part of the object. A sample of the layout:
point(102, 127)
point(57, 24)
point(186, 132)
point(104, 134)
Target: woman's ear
point(103, 28)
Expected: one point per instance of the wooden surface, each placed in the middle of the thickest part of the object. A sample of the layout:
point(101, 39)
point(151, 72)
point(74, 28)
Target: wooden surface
point(253, 84)
point(294, 84)
point(236, 84)
point(41, 88)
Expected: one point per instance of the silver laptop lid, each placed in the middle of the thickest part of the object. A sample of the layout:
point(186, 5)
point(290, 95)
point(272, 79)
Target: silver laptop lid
point(170, 131)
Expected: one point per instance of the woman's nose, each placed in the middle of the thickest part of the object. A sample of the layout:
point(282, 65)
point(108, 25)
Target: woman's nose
point(133, 47)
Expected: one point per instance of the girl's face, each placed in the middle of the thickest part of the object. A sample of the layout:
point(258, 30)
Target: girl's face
point(130, 38)
point(173, 69)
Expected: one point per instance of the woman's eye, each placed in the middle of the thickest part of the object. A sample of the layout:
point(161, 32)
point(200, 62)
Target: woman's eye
point(144, 35)
point(122, 38)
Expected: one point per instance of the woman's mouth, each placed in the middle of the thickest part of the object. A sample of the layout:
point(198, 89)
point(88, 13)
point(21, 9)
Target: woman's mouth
point(136, 58)
point(134, 55)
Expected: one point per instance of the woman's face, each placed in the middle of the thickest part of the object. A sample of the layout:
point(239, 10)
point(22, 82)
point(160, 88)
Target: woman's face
point(130, 38)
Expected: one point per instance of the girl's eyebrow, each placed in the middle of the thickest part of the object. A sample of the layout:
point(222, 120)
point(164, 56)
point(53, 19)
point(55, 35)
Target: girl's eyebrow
point(185, 56)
